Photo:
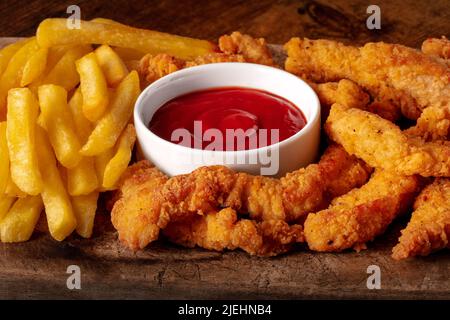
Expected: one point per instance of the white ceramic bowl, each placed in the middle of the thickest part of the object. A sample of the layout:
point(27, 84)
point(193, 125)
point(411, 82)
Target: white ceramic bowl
point(295, 152)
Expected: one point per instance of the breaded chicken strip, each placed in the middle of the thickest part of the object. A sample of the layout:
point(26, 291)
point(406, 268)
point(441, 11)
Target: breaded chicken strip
point(222, 230)
point(381, 144)
point(437, 47)
point(362, 214)
point(236, 47)
point(151, 67)
point(149, 201)
point(349, 94)
point(429, 227)
point(135, 214)
point(407, 77)
point(253, 50)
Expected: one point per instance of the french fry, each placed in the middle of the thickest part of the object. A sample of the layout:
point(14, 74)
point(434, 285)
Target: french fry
point(8, 52)
point(55, 32)
point(13, 72)
point(20, 133)
point(93, 87)
point(82, 124)
point(34, 67)
point(60, 125)
point(58, 208)
point(56, 53)
point(112, 66)
point(64, 73)
point(127, 54)
point(4, 158)
point(5, 205)
point(110, 126)
point(84, 208)
point(119, 162)
point(18, 224)
point(12, 190)
point(101, 161)
point(82, 179)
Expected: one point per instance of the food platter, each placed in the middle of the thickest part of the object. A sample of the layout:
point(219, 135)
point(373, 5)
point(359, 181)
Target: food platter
point(109, 270)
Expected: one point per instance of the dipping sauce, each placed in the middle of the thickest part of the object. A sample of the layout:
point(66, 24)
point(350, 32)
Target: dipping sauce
point(210, 119)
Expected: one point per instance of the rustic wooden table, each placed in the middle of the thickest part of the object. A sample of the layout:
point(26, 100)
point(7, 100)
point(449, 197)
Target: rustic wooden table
point(37, 269)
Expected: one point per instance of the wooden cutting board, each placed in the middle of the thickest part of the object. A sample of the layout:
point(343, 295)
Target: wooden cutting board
point(38, 269)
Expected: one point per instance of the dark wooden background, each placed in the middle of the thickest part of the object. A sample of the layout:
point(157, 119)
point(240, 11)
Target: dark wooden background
point(37, 268)
point(403, 21)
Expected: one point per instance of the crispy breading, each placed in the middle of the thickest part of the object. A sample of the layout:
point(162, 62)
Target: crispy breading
point(236, 47)
point(362, 214)
point(222, 230)
point(429, 227)
point(405, 76)
point(438, 47)
point(149, 201)
point(381, 144)
point(135, 213)
point(253, 50)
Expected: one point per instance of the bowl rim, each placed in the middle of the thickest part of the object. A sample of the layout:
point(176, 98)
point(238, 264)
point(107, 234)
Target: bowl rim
point(139, 105)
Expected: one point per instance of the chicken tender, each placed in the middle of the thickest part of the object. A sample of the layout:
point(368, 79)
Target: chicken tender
point(222, 230)
point(236, 47)
point(362, 214)
point(429, 227)
point(148, 201)
point(253, 50)
point(382, 144)
point(390, 72)
point(135, 214)
point(437, 47)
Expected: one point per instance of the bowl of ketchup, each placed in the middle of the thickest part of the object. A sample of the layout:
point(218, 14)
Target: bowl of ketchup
point(249, 117)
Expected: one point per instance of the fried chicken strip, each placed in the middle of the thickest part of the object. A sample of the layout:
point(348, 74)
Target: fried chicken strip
point(402, 75)
point(236, 47)
point(429, 227)
point(349, 94)
point(382, 144)
point(135, 213)
point(149, 201)
point(362, 214)
point(222, 230)
point(437, 47)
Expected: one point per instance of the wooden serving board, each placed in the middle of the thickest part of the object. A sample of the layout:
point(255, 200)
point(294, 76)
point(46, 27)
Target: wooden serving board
point(38, 269)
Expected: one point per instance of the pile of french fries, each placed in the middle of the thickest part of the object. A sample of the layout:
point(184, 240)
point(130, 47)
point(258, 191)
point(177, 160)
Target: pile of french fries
point(66, 132)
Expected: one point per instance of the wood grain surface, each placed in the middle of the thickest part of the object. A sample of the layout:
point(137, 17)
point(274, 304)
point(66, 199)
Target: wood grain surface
point(402, 21)
point(37, 269)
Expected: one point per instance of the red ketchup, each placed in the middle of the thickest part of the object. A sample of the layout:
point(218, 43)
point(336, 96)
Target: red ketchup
point(209, 119)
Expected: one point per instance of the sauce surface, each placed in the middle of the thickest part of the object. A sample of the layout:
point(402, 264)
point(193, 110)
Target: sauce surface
point(225, 109)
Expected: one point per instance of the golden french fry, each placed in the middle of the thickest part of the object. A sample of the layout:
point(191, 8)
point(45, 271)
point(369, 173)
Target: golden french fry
point(18, 224)
point(34, 67)
point(84, 208)
point(82, 179)
point(82, 124)
point(12, 190)
point(107, 21)
point(58, 208)
point(112, 66)
point(110, 126)
point(5, 204)
point(93, 87)
point(127, 54)
point(20, 133)
point(4, 158)
point(119, 162)
point(60, 125)
point(8, 52)
point(13, 73)
point(101, 161)
point(55, 32)
point(55, 54)
point(64, 73)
